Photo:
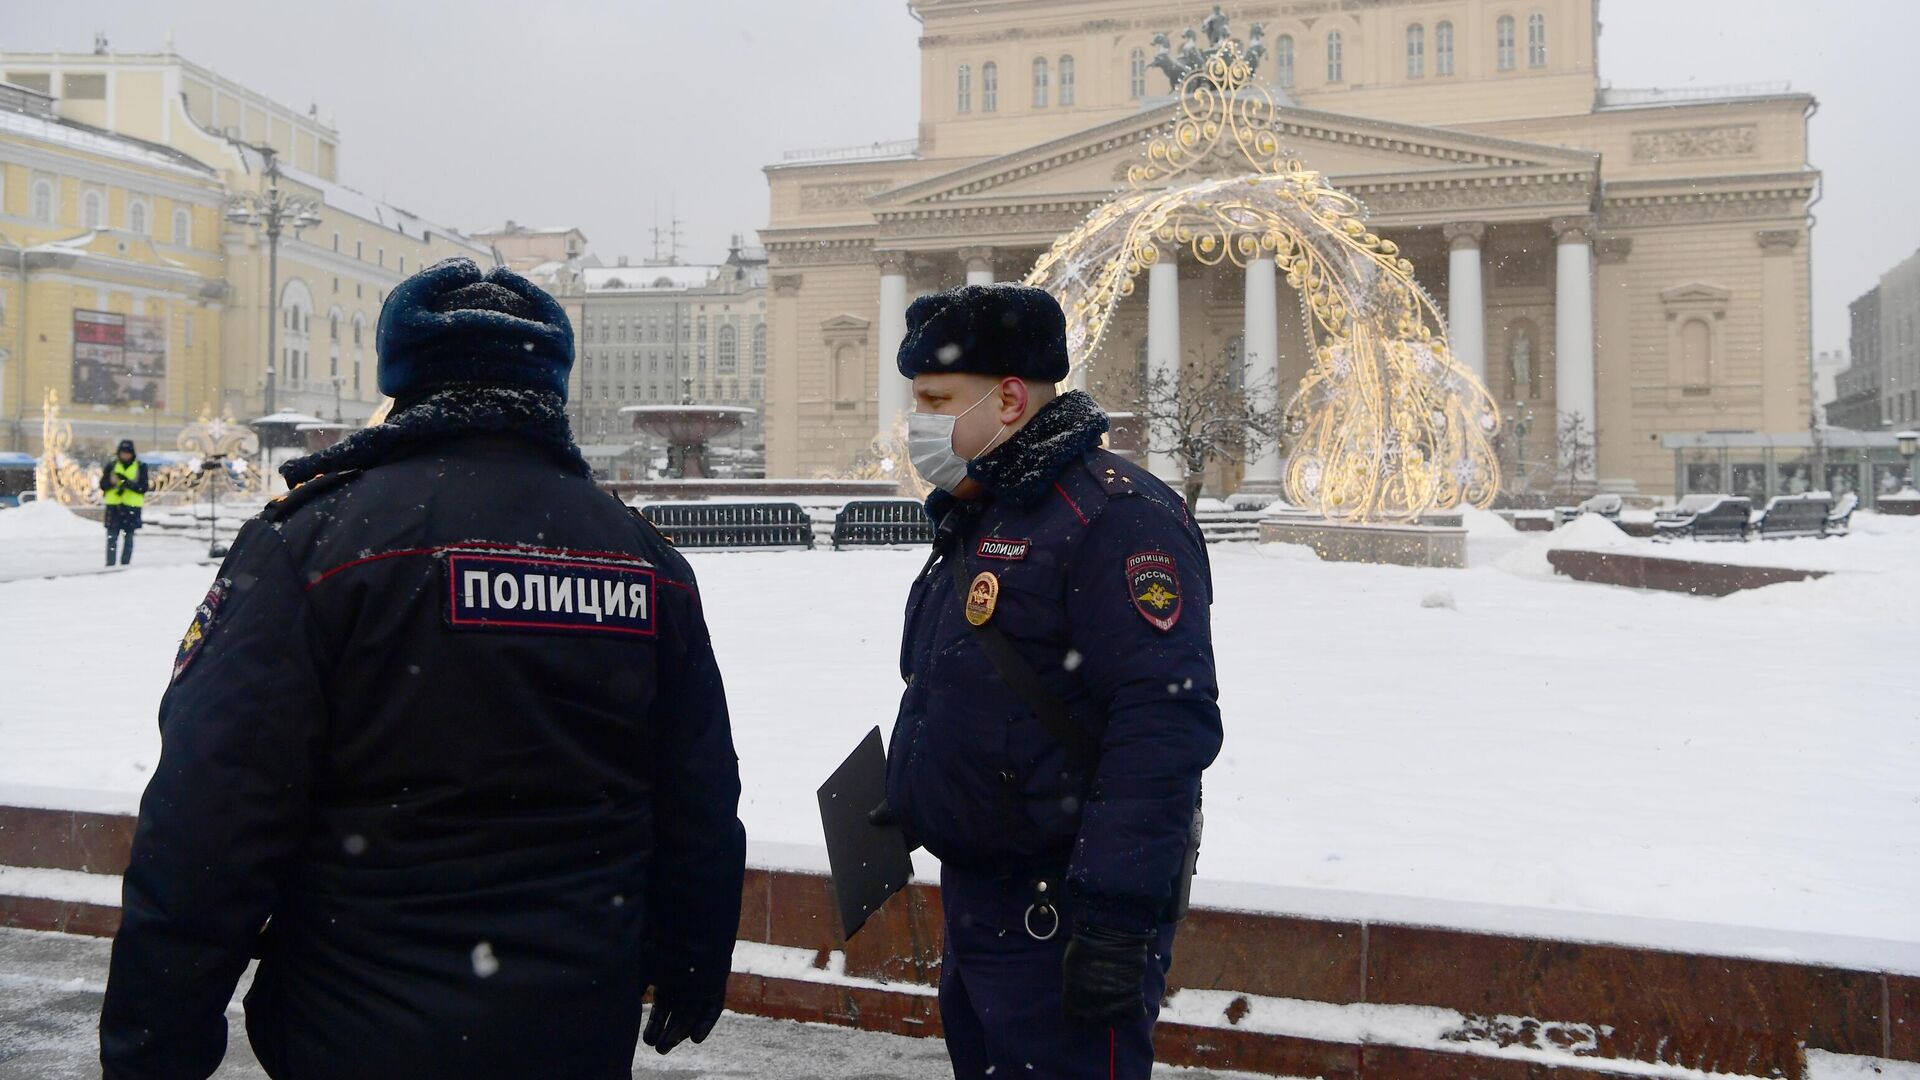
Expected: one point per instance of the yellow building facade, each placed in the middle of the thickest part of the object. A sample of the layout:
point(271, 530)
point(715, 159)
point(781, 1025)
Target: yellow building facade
point(1617, 266)
point(101, 150)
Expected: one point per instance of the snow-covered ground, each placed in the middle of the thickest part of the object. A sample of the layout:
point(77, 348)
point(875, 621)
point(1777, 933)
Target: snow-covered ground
point(41, 539)
point(1492, 746)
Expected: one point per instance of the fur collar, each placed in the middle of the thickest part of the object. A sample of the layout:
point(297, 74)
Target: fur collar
point(455, 412)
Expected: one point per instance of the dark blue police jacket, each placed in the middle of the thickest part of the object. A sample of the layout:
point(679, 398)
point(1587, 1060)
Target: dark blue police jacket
point(1099, 576)
point(451, 720)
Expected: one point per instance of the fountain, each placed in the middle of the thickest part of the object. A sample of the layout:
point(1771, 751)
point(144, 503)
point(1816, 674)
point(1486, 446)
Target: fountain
point(686, 429)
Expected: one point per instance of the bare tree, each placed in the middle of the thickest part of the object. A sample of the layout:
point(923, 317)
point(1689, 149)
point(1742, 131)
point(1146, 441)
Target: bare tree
point(1203, 415)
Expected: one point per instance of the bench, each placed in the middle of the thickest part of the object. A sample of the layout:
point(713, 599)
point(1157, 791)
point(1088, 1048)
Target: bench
point(732, 525)
point(1787, 516)
point(1607, 506)
point(882, 523)
point(1706, 517)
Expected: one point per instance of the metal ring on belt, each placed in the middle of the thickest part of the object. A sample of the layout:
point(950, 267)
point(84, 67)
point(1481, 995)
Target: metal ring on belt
point(1028, 921)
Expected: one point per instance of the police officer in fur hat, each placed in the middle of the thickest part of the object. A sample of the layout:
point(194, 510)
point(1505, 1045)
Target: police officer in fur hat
point(445, 746)
point(1060, 698)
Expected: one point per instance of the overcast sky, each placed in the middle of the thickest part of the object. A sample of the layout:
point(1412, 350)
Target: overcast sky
point(593, 114)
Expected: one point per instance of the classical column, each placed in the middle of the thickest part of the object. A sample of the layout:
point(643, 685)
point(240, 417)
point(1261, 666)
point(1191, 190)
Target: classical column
point(979, 264)
point(1260, 364)
point(1466, 296)
point(1163, 348)
point(1573, 344)
point(1614, 432)
point(892, 394)
point(1785, 377)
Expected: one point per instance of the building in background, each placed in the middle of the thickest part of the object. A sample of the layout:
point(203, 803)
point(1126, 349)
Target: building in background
point(1534, 202)
point(190, 122)
point(551, 258)
point(1858, 402)
point(1827, 366)
point(112, 277)
point(667, 334)
point(1899, 359)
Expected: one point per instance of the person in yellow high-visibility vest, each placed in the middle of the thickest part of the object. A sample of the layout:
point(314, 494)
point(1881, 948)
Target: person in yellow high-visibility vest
point(124, 480)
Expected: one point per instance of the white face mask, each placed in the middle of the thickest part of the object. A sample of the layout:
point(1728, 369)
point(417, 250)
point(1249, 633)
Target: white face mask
point(930, 445)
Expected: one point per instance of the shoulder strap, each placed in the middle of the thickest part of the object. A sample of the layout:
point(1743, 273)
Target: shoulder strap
point(1026, 682)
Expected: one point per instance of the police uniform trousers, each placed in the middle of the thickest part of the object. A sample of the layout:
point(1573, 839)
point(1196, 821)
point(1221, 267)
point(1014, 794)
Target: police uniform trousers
point(1000, 990)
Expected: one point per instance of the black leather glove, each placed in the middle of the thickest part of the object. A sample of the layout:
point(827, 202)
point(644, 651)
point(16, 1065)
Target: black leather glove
point(680, 1013)
point(1103, 975)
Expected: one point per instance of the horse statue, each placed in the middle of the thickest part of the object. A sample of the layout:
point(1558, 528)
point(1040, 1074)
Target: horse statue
point(1163, 60)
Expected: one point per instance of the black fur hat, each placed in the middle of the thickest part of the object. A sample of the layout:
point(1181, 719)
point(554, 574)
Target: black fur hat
point(1001, 329)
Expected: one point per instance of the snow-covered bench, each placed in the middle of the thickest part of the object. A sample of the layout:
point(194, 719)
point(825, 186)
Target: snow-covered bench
point(1788, 516)
point(1606, 505)
point(1706, 517)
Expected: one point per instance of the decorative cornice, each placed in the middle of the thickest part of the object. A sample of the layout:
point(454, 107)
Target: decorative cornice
point(1291, 124)
point(1734, 198)
point(803, 247)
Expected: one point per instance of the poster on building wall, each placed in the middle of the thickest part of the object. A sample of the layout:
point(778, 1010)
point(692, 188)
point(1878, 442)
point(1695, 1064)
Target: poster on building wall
point(119, 359)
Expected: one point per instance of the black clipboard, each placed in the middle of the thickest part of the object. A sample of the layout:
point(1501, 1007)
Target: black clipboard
point(870, 862)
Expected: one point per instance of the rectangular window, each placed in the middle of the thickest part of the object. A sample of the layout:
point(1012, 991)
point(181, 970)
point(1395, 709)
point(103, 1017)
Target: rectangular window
point(84, 87)
point(38, 82)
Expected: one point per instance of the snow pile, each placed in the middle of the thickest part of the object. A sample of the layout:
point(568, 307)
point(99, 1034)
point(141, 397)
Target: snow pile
point(44, 521)
point(1588, 532)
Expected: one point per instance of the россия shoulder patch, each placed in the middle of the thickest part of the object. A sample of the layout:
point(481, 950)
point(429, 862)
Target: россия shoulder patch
point(549, 592)
point(1153, 581)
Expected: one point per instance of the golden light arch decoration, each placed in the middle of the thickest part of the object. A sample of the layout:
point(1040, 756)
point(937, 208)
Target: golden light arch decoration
point(1386, 424)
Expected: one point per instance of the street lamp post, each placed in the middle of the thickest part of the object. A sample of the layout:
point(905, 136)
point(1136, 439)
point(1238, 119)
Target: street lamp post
point(273, 212)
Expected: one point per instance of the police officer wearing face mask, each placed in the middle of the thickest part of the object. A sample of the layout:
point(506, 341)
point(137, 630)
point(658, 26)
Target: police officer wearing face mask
point(1060, 700)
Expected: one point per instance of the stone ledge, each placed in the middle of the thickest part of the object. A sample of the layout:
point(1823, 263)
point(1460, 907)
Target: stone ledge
point(1671, 575)
point(1436, 545)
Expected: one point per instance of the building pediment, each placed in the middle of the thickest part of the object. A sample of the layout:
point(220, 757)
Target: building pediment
point(1344, 148)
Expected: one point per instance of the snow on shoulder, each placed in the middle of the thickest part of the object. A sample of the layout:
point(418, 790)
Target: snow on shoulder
point(45, 521)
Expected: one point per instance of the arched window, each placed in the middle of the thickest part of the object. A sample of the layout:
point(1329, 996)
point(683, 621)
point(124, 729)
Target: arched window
point(137, 217)
point(725, 351)
point(1283, 60)
point(963, 89)
point(1137, 73)
point(1536, 40)
point(1443, 49)
point(1416, 51)
point(1066, 80)
point(989, 87)
point(1696, 354)
point(1336, 58)
point(1039, 82)
point(333, 325)
point(759, 348)
point(1503, 43)
point(90, 210)
point(296, 319)
point(182, 228)
point(42, 200)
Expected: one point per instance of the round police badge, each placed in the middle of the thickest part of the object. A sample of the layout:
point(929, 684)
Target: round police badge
point(982, 595)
